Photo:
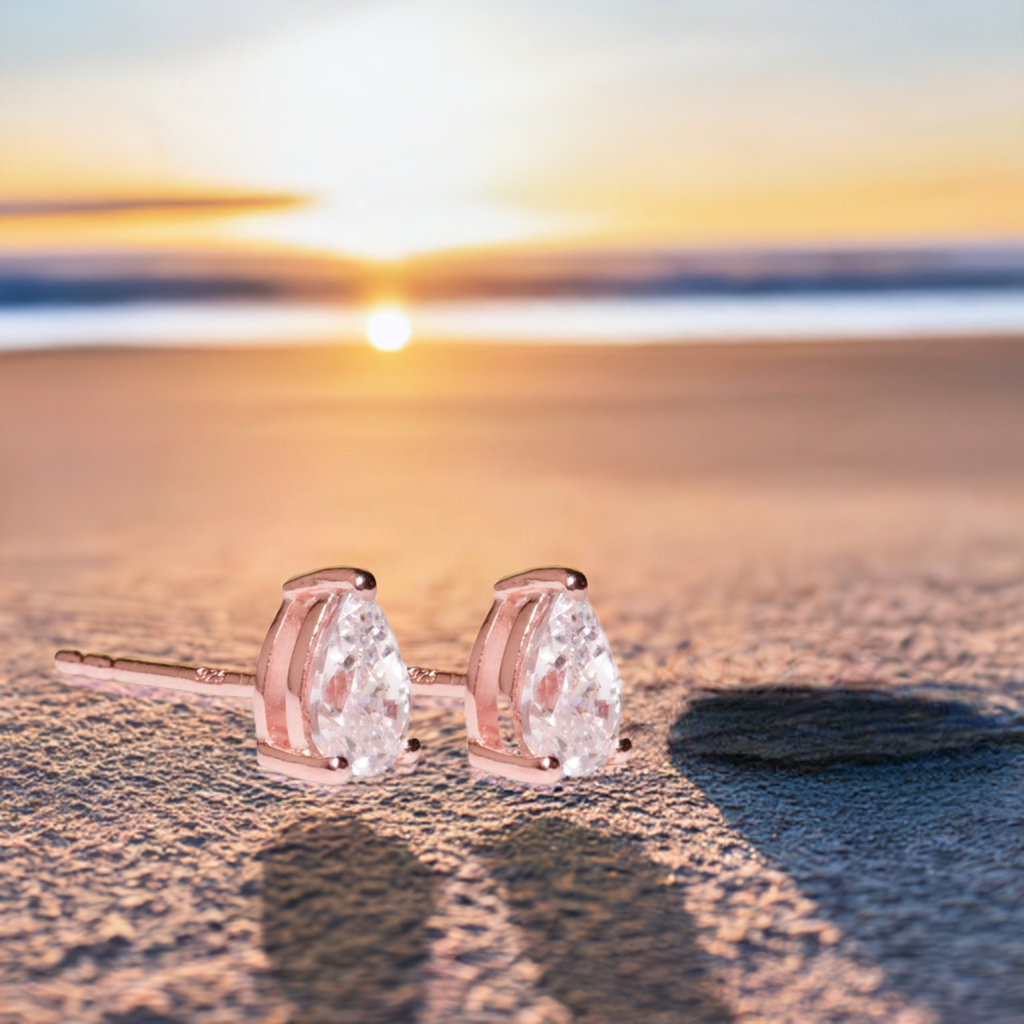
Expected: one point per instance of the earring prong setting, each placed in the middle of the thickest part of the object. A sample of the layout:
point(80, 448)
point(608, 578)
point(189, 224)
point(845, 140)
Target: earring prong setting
point(542, 647)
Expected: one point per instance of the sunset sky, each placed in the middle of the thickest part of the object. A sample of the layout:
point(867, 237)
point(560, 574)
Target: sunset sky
point(383, 129)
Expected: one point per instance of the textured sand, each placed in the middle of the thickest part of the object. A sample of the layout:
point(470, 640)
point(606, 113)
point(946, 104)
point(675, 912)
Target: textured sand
point(810, 563)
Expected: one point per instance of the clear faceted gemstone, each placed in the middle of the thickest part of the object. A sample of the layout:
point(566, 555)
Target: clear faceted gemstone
point(570, 691)
point(358, 694)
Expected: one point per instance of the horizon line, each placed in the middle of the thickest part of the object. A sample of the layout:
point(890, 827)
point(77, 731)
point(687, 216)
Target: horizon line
point(104, 278)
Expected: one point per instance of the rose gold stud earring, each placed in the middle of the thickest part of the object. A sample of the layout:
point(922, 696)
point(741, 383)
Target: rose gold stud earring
point(331, 695)
point(542, 646)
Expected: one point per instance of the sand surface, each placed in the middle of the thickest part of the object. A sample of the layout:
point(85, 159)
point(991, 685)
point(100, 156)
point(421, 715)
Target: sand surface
point(810, 563)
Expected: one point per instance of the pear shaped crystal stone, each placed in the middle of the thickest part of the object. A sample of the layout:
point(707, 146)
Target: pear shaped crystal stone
point(569, 689)
point(358, 691)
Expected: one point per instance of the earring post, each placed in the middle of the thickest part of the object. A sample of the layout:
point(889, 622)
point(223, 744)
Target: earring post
point(166, 675)
point(428, 682)
point(217, 682)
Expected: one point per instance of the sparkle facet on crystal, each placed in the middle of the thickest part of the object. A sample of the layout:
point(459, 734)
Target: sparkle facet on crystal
point(358, 692)
point(570, 691)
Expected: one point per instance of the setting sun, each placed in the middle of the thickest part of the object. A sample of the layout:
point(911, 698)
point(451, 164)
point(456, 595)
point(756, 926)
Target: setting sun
point(388, 329)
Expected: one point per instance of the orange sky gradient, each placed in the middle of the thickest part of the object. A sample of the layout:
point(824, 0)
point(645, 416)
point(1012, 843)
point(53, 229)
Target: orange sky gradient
point(385, 130)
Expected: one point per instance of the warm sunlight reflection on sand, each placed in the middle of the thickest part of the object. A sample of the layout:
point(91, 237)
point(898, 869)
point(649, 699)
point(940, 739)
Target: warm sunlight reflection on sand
point(388, 328)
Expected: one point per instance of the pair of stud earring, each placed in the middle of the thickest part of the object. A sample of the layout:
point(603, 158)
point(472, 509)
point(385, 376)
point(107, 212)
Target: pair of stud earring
point(331, 695)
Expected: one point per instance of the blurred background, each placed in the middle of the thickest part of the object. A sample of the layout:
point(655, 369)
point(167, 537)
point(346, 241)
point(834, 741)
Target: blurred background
point(270, 171)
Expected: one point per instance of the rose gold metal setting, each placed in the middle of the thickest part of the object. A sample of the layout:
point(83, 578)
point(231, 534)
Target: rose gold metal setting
point(282, 673)
point(520, 602)
point(278, 687)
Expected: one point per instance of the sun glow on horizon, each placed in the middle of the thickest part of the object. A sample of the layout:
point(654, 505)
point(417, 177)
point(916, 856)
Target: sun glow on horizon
point(388, 328)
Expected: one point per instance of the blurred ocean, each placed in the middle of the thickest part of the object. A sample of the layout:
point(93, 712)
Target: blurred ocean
point(594, 298)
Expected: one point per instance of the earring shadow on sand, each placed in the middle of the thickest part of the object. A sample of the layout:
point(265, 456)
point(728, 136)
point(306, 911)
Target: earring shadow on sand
point(344, 912)
point(613, 941)
point(899, 816)
point(806, 726)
